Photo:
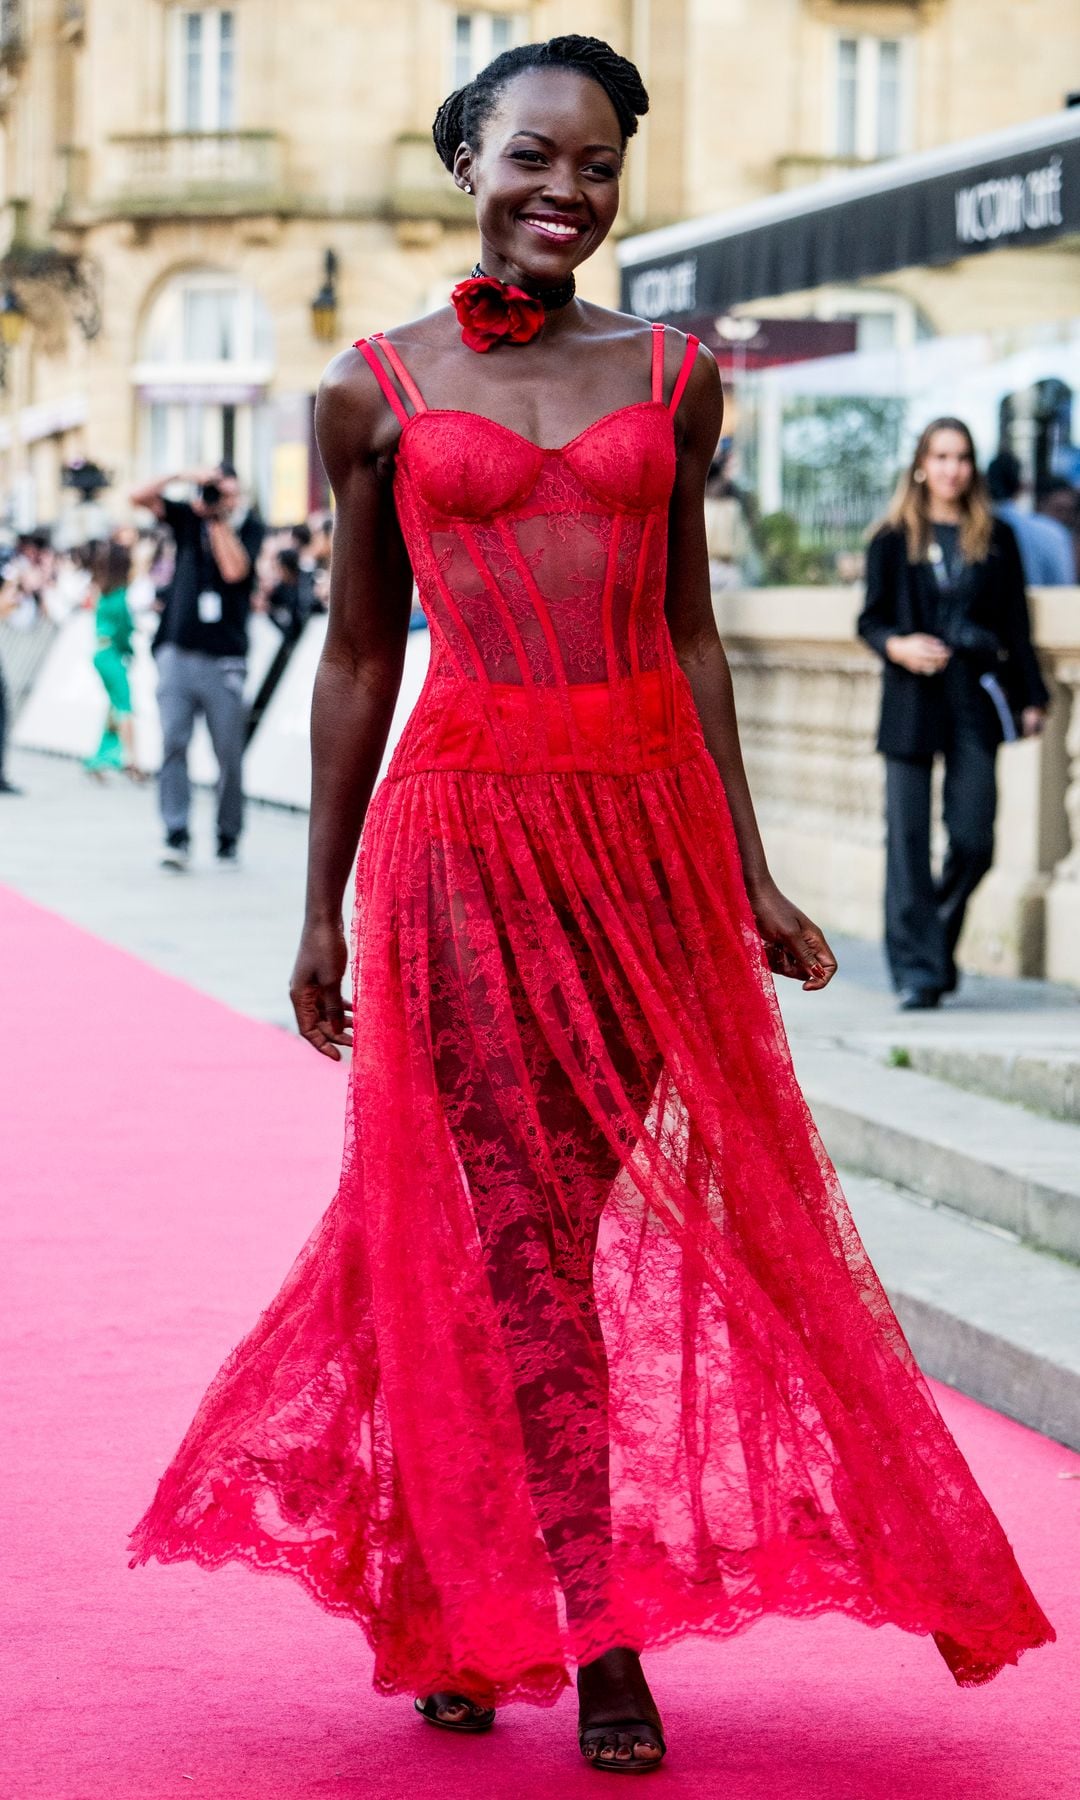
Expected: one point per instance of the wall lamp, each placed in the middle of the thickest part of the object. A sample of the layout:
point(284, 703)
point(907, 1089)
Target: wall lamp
point(324, 307)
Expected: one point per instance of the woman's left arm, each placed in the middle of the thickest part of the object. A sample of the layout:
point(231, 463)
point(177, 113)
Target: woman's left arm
point(797, 947)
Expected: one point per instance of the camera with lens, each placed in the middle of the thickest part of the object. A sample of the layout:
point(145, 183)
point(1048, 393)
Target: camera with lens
point(210, 494)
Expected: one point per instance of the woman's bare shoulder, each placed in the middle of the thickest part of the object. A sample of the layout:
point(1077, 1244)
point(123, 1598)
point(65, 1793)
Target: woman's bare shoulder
point(614, 327)
point(634, 332)
point(431, 332)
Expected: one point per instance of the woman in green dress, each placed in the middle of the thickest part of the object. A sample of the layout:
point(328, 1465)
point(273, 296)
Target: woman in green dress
point(115, 630)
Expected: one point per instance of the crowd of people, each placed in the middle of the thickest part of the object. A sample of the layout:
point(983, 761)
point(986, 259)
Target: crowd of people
point(169, 578)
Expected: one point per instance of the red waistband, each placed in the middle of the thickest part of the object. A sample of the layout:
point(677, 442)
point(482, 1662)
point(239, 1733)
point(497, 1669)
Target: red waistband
point(648, 721)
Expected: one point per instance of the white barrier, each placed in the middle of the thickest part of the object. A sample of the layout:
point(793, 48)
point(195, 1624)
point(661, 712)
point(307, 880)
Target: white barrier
point(65, 709)
point(278, 764)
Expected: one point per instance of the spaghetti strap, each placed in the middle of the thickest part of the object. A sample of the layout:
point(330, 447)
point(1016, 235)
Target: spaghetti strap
point(402, 373)
point(684, 373)
point(658, 334)
point(366, 347)
point(367, 351)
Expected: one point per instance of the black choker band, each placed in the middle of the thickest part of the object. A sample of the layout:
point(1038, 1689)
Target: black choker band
point(550, 298)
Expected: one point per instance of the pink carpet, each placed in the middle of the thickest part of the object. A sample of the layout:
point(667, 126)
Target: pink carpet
point(163, 1158)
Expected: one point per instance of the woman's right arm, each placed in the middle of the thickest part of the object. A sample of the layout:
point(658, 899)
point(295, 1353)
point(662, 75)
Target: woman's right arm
point(357, 682)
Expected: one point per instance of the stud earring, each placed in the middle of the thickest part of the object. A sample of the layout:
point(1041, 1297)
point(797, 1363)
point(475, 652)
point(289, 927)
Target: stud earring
point(467, 187)
point(919, 475)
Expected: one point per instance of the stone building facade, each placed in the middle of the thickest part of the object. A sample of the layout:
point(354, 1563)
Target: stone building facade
point(173, 176)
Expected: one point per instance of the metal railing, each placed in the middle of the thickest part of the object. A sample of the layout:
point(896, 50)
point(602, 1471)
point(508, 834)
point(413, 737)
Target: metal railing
point(23, 649)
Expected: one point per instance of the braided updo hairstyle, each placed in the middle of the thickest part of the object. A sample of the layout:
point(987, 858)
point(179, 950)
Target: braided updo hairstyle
point(461, 118)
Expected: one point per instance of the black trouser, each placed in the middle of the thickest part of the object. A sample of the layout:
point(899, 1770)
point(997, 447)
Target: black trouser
point(923, 916)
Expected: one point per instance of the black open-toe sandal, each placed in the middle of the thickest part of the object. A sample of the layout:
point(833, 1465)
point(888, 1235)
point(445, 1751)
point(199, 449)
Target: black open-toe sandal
point(481, 1719)
point(628, 1765)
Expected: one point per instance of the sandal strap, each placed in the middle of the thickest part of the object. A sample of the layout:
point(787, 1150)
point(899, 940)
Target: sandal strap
point(431, 1704)
point(639, 1725)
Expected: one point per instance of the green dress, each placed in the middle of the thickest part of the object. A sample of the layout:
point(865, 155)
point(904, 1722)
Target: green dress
point(115, 629)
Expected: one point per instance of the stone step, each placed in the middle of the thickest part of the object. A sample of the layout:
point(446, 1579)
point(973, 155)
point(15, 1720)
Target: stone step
point(984, 1157)
point(1047, 1082)
point(982, 1312)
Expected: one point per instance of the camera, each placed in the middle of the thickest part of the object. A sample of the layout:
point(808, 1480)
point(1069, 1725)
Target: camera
point(210, 493)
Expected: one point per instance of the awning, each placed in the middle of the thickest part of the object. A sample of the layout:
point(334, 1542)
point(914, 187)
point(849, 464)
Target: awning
point(1009, 188)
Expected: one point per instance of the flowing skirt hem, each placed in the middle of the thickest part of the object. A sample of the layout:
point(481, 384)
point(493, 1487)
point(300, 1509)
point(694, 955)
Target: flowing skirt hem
point(542, 1685)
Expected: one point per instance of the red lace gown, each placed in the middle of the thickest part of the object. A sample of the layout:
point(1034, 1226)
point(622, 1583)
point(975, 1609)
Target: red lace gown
point(586, 1350)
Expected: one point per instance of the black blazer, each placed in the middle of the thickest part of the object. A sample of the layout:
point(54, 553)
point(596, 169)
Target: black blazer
point(902, 596)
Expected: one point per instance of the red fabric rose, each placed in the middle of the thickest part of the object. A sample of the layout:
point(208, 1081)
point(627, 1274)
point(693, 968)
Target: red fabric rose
point(491, 313)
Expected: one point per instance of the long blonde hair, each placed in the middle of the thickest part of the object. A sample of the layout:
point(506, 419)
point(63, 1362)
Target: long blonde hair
point(909, 512)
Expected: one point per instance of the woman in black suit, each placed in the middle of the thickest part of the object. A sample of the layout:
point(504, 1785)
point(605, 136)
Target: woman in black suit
point(947, 613)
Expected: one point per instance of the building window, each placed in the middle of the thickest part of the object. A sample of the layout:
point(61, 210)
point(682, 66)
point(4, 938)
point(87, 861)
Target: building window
point(478, 37)
point(847, 96)
point(209, 324)
point(203, 76)
point(872, 97)
point(203, 378)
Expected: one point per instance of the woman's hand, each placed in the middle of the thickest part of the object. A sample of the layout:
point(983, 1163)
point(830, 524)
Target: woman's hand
point(918, 652)
point(323, 1015)
point(794, 945)
point(1033, 721)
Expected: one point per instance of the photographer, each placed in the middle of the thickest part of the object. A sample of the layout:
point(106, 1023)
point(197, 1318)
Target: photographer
point(947, 613)
point(201, 646)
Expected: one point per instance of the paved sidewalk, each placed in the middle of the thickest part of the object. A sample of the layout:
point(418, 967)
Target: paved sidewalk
point(91, 854)
point(859, 1010)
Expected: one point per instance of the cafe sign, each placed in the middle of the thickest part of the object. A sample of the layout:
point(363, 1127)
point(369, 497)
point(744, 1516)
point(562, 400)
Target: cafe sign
point(1008, 189)
point(1010, 205)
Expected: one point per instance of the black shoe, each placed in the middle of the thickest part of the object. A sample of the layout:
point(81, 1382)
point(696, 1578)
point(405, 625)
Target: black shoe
point(8, 787)
point(177, 851)
point(919, 999)
point(228, 850)
point(471, 1717)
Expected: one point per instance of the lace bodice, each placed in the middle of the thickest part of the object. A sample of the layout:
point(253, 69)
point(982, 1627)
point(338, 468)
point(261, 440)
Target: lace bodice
point(542, 573)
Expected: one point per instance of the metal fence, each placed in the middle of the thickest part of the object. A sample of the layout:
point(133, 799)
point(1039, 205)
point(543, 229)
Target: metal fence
point(23, 649)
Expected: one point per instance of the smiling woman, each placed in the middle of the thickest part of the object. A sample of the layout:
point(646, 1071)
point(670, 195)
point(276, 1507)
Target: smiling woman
point(586, 1354)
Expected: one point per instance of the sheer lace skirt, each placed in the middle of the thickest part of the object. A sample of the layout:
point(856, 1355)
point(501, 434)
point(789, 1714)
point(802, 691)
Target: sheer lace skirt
point(586, 1350)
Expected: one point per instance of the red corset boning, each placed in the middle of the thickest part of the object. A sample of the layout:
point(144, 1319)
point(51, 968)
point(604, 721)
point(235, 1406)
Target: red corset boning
point(586, 1350)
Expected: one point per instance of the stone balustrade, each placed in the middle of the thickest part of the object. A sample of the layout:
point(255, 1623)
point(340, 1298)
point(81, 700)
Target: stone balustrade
point(194, 171)
point(807, 694)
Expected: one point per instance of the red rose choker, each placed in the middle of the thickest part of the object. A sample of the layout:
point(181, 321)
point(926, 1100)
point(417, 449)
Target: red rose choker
point(494, 312)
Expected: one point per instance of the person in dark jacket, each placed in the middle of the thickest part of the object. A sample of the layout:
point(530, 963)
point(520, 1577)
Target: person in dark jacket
point(947, 613)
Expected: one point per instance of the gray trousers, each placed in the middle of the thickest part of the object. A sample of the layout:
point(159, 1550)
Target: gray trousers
point(190, 682)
